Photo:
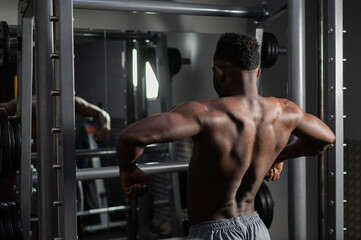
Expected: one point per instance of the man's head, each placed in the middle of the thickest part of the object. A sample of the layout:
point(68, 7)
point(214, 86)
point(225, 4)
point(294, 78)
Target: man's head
point(238, 49)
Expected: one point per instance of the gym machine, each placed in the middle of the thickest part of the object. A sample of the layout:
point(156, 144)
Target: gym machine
point(47, 55)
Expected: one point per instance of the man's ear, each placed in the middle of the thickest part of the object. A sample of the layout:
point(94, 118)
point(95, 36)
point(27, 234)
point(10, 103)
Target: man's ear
point(258, 71)
point(218, 72)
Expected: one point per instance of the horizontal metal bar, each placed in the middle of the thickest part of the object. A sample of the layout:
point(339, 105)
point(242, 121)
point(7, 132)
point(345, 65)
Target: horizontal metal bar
point(116, 208)
point(111, 34)
point(101, 152)
point(113, 171)
point(282, 51)
point(102, 210)
point(93, 228)
point(171, 8)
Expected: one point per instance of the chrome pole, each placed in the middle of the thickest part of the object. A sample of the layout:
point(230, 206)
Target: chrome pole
point(106, 152)
point(25, 83)
point(171, 8)
point(44, 72)
point(113, 171)
point(297, 92)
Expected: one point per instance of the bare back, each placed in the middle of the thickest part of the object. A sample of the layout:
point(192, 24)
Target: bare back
point(231, 156)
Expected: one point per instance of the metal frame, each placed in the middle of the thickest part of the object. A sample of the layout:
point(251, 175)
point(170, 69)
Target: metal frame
point(165, 95)
point(113, 171)
point(52, 155)
point(141, 102)
point(67, 120)
point(25, 82)
point(45, 118)
point(297, 221)
point(321, 115)
point(334, 189)
point(45, 106)
point(171, 8)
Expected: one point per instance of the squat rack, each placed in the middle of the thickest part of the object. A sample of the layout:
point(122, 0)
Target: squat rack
point(55, 95)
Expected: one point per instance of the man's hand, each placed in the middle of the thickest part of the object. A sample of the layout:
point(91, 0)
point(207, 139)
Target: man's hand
point(274, 172)
point(133, 182)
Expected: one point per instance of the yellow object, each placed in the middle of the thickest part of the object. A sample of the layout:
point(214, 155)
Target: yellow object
point(16, 86)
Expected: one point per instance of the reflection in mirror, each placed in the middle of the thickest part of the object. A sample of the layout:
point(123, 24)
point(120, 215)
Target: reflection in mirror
point(123, 74)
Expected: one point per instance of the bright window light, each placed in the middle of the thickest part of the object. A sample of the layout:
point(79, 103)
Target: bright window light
point(135, 68)
point(151, 82)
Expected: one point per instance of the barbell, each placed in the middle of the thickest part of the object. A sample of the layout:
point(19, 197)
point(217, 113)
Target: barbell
point(270, 50)
point(10, 143)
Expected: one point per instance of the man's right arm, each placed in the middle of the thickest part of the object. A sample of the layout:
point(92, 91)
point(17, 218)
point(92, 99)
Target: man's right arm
point(313, 137)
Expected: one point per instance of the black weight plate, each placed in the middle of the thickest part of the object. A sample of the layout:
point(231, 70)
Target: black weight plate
point(5, 144)
point(276, 46)
point(18, 230)
point(17, 147)
point(269, 53)
point(272, 50)
point(17, 143)
point(270, 204)
point(8, 222)
point(4, 44)
point(2, 228)
point(12, 142)
point(175, 60)
point(260, 203)
point(264, 52)
point(274, 43)
point(263, 204)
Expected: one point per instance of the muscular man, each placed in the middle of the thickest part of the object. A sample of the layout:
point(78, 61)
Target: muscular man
point(237, 138)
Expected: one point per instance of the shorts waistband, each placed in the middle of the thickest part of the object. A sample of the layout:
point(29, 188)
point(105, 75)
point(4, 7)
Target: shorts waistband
point(226, 223)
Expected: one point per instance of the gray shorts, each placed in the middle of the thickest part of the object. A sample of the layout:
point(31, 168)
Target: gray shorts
point(244, 227)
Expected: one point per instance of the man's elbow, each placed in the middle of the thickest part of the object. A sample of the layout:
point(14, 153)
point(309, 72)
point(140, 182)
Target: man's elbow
point(325, 144)
point(332, 138)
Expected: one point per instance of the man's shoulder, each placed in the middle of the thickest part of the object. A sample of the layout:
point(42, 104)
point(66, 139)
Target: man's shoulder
point(284, 103)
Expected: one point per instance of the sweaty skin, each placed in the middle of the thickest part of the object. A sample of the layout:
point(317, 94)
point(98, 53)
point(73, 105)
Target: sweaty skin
point(237, 139)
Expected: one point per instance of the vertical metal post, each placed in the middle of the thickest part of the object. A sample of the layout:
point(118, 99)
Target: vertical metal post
point(165, 88)
point(334, 217)
point(254, 28)
point(25, 81)
point(165, 94)
point(296, 74)
point(67, 120)
point(132, 227)
point(144, 223)
point(321, 114)
point(141, 91)
point(130, 87)
point(45, 118)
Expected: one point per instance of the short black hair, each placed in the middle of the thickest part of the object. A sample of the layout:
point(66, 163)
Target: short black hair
point(239, 49)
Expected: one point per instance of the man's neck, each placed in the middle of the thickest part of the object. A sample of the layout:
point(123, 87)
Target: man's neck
point(244, 84)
